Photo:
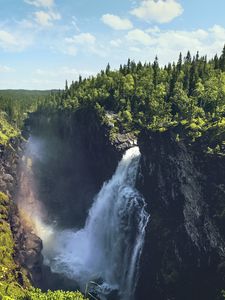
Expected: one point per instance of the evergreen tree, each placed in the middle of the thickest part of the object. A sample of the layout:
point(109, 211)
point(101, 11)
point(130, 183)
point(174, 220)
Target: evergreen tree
point(179, 63)
point(222, 60)
point(156, 71)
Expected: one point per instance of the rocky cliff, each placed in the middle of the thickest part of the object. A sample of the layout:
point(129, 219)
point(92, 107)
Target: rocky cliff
point(24, 250)
point(183, 257)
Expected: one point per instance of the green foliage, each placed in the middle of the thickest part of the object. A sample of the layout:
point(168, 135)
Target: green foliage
point(14, 291)
point(223, 294)
point(9, 271)
point(10, 289)
point(190, 93)
point(7, 131)
point(37, 294)
point(3, 198)
point(17, 103)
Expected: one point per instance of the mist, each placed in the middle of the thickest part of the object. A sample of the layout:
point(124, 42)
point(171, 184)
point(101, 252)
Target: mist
point(106, 250)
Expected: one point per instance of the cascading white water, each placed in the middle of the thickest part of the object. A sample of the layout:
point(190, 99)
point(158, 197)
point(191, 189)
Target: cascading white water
point(107, 250)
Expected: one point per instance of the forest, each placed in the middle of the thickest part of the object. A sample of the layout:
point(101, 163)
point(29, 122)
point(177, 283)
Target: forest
point(189, 94)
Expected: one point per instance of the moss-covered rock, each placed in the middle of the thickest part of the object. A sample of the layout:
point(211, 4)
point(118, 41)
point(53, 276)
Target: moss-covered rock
point(7, 131)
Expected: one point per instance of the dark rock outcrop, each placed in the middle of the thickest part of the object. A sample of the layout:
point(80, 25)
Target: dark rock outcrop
point(28, 248)
point(183, 256)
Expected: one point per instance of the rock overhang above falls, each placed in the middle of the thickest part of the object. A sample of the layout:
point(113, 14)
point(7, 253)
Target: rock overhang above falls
point(124, 141)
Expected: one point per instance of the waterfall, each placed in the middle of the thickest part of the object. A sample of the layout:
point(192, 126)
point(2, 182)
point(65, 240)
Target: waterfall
point(103, 257)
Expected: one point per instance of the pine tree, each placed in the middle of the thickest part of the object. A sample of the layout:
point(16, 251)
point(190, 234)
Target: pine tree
point(222, 60)
point(155, 71)
point(216, 62)
point(188, 57)
point(128, 65)
point(66, 86)
point(179, 63)
point(194, 76)
point(107, 70)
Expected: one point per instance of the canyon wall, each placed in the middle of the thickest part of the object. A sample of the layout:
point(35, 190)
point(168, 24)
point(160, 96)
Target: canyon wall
point(183, 257)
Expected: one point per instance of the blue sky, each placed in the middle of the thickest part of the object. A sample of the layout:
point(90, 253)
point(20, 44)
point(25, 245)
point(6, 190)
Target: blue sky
point(45, 42)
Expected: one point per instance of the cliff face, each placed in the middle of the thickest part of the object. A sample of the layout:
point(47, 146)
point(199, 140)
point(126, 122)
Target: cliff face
point(78, 157)
point(66, 174)
point(24, 250)
point(184, 251)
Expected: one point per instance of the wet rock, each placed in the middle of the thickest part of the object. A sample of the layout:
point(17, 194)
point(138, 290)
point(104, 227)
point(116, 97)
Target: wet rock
point(33, 242)
point(27, 245)
point(124, 141)
point(3, 185)
point(8, 178)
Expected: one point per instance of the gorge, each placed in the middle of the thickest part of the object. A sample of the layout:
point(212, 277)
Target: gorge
point(115, 187)
point(101, 249)
point(108, 248)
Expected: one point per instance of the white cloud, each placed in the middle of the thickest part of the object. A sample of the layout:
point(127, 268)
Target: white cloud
point(71, 50)
point(64, 71)
point(134, 49)
point(116, 43)
point(84, 42)
point(45, 19)
point(159, 11)
point(81, 39)
point(139, 36)
point(116, 22)
point(182, 40)
point(44, 78)
point(145, 45)
point(25, 24)
point(41, 3)
point(13, 42)
point(6, 69)
point(218, 32)
point(59, 75)
point(153, 29)
point(6, 38)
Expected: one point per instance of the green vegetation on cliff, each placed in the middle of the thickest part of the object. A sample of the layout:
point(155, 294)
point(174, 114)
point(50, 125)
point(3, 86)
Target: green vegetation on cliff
point(17, 103)
point(10, 274)
point(7, 131)
point(13, 283)
point(189, 93)
point(14, 107)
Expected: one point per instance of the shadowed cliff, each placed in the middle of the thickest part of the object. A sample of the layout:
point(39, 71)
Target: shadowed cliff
point(183, 257)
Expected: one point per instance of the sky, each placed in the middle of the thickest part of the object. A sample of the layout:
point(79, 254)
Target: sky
point(45, 42)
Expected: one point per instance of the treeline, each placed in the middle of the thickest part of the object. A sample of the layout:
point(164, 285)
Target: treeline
point(14, 107)
point(15, 104)
point(190, 92)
